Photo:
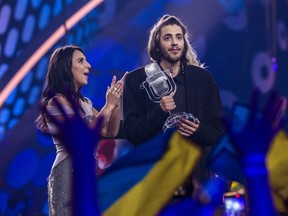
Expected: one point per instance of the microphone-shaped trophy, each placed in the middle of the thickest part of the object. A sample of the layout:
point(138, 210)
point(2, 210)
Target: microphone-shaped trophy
point(159, 84)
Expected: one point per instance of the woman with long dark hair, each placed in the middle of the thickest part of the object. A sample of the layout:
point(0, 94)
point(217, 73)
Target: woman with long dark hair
point(67, 73)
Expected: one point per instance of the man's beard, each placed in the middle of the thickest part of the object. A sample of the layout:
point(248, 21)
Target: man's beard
point(169, 58)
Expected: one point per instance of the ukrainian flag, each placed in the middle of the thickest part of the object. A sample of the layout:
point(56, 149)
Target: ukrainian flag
point(143, 181)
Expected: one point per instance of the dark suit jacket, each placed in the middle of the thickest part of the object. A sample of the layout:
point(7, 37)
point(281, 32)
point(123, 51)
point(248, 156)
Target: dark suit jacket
point(144, 119)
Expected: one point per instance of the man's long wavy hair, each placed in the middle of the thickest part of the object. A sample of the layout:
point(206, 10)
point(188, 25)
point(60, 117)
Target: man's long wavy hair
point(153, 47)
point(59, 80)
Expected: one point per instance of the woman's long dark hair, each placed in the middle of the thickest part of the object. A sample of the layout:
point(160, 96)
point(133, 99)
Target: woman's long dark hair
point(59, 79)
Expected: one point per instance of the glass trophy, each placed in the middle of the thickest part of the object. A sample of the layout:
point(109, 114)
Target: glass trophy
point(159, 84)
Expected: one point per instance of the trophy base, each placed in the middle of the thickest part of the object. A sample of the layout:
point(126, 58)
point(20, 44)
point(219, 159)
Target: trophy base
point(173, 119)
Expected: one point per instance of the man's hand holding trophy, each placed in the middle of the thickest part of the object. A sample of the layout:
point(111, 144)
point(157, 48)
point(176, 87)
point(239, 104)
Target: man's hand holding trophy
point(159, 84)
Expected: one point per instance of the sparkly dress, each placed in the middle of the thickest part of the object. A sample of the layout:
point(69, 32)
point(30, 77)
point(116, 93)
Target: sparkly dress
point(60, 178)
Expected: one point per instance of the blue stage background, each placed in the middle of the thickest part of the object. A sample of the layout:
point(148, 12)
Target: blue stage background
point(244, 44)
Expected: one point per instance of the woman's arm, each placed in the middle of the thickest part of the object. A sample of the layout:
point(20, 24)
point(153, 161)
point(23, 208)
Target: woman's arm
point(111, 109)
point(114, 123)
point(111, 121)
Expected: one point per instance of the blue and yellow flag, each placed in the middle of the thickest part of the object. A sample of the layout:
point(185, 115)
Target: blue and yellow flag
point(143, 181)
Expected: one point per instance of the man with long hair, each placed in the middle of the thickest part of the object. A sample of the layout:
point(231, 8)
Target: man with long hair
point(197, 93)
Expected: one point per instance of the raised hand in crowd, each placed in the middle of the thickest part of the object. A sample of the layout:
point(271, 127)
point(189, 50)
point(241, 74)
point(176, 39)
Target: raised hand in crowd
point(253, 142)
point(80, 139)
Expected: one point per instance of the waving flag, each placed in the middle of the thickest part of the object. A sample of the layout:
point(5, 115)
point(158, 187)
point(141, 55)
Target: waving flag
point(143, 180)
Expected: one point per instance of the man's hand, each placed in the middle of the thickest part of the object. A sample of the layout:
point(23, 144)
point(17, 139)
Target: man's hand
point(167, 103)
point(187, 127)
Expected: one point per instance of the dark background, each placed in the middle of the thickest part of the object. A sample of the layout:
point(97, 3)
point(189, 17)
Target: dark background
point(244, 44)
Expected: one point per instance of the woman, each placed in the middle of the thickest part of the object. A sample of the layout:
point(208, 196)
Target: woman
point(67, 72)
